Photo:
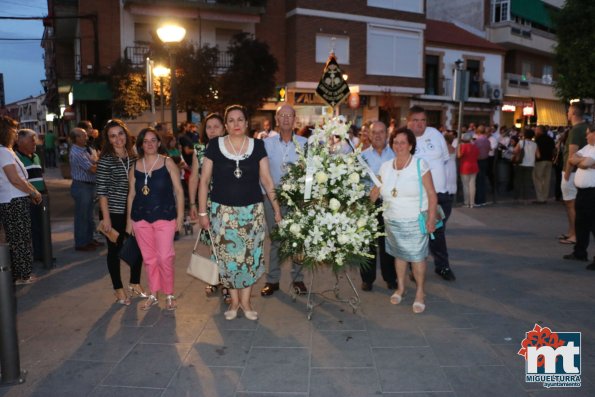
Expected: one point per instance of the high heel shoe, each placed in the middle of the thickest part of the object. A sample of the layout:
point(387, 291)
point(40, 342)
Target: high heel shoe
point(250, 314)
point(231, 314)
point(136, 292)
point(151, 301)
point(120, 301)
point(170, 302)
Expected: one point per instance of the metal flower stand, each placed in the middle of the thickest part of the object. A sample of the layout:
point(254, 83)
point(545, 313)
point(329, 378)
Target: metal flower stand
point(315, 299)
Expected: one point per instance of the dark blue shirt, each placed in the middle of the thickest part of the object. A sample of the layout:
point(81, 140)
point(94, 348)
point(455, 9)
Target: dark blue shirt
point(160, 203)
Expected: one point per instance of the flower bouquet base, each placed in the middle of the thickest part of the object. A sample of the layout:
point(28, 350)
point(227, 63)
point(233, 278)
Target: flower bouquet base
point(317, 298)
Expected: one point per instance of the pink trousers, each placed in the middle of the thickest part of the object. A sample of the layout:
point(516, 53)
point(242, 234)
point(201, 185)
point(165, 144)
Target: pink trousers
point(156, 242)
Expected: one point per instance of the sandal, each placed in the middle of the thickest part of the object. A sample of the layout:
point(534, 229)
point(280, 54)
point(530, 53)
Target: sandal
point(226, 295)
point(563, 237)
point(418, 307)
point(151, 301)
point(395, 298)
point(124, 302)
point(566, 241)
point(170, 302)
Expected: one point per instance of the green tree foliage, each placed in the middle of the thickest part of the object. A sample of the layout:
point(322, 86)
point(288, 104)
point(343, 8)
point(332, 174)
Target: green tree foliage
point(196, 73)
point(575, 51)
point(128, 85)
point(251, 77)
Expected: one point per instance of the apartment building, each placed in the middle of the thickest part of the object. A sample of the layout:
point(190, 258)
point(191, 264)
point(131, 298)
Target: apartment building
point(84, 38)
point(524, 28)
point(379, 45)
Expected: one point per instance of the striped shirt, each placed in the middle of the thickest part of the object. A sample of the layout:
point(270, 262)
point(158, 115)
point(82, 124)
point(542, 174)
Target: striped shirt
point(33, 167)
point(80, 163)
point(112, 181)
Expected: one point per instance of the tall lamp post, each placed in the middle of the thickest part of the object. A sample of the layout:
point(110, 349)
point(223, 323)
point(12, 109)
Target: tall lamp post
point(160, 72)
point(461, 89)
point(171, 35)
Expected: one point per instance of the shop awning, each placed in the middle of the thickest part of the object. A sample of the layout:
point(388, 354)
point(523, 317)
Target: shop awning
point(531, 10)
point(91, 91)
point(552, 113)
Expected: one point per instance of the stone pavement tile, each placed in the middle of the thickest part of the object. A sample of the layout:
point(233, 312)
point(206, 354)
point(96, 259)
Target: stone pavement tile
point(332, 316)
point(341, 349)
point(197, 380)
point(71, 378)
point(222, 347)
point(175, 328)
point(484, 381)
point(133, 316)
point(344, 382)
point(148, 365)
point(409, 369)
point(258, 394)
point(476, 301)
point(110, 391)
point(422, 394)
point(109, 343)
point(276, 370)
point(278, 331)
point(394, 331)
point(500, 329)
point(515, 363)
point(587, 389)
point(460, 347)
point(437, 315)
point(217, 321)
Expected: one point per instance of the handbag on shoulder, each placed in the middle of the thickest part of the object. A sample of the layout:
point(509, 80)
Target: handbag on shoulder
point(201, 267)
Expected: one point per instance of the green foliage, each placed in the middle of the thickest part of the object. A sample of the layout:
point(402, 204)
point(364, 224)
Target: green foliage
point(128, 86)
point(574, 53)
point(196, 77)
point(251, 76)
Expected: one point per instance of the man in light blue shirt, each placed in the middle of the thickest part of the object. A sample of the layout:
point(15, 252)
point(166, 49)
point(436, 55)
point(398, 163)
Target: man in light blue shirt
point(375, 156)
point(281, 151)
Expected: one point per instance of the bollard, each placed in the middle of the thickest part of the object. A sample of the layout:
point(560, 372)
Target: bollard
point(46, 233)
point(10, 365)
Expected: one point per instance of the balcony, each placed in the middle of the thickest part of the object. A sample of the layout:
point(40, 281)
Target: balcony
point(517, 85)
point(223, 61)
point(513, 35)
point(136, 55)
point(443, 88)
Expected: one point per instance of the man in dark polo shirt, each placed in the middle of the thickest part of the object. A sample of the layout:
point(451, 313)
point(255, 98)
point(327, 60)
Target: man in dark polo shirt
point(542, 173)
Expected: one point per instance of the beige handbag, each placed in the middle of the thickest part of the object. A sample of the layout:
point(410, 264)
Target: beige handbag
point(203, 268)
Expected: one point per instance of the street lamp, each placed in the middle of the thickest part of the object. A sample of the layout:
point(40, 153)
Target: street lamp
point(160, 72)
point(171, 35)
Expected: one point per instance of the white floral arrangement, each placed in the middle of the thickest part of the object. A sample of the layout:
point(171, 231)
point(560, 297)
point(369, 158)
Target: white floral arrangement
point(338, 224)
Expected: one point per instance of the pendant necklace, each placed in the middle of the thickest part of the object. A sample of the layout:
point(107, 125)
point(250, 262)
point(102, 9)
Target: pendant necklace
point(284, 162)
point(237, 172)
point(394, 192)
point(127, 166)
point(145, 189)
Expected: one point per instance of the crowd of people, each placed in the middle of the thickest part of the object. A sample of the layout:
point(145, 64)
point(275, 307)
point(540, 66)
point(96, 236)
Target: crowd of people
point(225, 175)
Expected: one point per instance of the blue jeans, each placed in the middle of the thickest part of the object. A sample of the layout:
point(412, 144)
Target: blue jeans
point(438, 246)
point(83, 195)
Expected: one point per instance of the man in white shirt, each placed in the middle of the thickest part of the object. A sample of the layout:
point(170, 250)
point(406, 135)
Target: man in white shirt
point(584, 180)
point(377, 154)
point(267, 131)
point(432, 147)
point(281, 151)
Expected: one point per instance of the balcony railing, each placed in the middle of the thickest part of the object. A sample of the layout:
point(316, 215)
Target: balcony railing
point(223, 62)
point(442, 88)
point(137, 55)
point(523, 81)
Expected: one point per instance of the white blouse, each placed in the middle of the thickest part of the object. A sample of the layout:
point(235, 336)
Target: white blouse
point(404, 204)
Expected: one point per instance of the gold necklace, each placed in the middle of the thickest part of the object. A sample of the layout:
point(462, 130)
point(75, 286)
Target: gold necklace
point(237, 172)
point(145, 189)
point(394, 192)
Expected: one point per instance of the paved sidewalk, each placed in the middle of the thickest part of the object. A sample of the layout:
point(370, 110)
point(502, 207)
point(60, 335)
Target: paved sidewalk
point(75, 342)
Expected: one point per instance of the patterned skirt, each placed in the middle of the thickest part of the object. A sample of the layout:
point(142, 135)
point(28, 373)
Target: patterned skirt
point(239, 241)
point(405, 241)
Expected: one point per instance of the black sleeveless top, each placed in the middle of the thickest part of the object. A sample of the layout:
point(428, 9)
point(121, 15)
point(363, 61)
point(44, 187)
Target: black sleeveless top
point(160, 203)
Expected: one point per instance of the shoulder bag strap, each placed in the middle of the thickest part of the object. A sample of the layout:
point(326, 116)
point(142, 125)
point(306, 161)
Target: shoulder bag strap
point(212, 243)
point(421, 192)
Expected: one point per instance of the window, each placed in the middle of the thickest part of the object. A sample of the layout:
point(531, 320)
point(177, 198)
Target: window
point(526, 70)
point(394, 52)
point(324, 44)
point(475, 83)
point(547, 76)
point(432, 75)
point(500, 10)
point(400, 5)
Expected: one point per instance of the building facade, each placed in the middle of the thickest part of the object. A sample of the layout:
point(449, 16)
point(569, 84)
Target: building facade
point(378, 44)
